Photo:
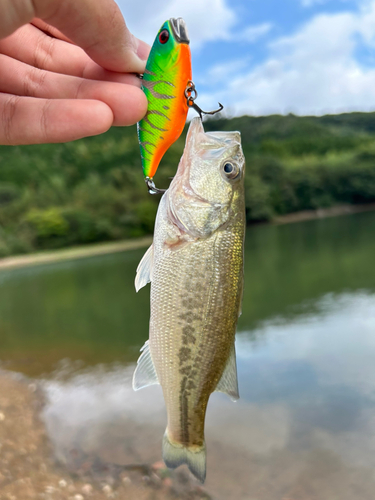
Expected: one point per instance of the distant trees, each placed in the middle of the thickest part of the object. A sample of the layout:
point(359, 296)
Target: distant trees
point(91, 190)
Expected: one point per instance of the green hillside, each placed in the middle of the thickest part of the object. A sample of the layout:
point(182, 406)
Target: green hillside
point(91, 190)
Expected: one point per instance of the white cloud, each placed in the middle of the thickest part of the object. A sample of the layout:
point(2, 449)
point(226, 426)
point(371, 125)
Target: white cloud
point(206, 20)
point(252, 33)
point(219, 73)
point(314, 71)
point(310, 3)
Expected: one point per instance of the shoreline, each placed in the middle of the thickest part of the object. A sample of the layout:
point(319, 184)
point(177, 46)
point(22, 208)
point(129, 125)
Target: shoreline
point(323, 213)
point(72, 253)
point(96, 249)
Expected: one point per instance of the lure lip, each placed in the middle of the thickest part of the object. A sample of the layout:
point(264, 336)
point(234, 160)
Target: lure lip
point(179, 30)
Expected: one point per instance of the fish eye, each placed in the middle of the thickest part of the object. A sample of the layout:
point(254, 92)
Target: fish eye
point(231, 170)
point(164, 36)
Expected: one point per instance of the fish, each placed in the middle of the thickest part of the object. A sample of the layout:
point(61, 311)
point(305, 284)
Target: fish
point(167, 76)
point(195, 266)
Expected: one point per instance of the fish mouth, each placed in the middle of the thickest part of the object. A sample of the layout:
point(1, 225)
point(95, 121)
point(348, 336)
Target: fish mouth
point(179, 30)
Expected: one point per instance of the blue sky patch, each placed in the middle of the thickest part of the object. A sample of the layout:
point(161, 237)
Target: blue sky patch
point(260, 57)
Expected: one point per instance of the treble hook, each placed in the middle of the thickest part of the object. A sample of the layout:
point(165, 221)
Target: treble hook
point(190, 101)
point(152, 189)
point(191, 94)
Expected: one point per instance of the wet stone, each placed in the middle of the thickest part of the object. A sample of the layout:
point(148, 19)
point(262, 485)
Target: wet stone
point(87, 489)
point(107, 490)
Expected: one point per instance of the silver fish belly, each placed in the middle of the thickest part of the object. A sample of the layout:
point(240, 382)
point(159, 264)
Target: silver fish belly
point(195, 266)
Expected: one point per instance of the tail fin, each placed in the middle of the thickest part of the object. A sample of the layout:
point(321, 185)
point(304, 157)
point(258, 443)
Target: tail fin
point(175, 455)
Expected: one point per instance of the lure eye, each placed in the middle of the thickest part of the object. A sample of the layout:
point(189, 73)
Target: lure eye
point(231, 170)
point(164, 36)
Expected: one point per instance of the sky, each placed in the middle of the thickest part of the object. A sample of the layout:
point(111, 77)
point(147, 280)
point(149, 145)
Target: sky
point(259, 57)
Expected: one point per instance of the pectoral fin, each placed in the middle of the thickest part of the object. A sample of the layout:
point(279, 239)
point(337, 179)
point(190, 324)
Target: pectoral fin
point(145, 373)
point(144, 270)
point(228, 382)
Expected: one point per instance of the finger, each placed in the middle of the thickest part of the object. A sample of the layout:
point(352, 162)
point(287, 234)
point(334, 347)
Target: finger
point(49, 30)
point(143, 48)
point(127, 102)
point(26, 120)
point(32, 46)
point(14, 13)
point(98, 27)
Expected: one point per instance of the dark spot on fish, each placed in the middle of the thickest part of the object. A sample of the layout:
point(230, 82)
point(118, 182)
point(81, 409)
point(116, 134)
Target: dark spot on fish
point(184, 354)
point(191, 385)
point(189, 316)
point(184, 421)
point(190, 303)
point(185, 370)
point(187, 335)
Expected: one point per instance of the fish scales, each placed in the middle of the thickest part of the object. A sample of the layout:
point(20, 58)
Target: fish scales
point(195, 266)
point(193, 322)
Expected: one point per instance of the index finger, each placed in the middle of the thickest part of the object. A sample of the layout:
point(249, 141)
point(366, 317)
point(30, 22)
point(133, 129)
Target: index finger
point(98, 27)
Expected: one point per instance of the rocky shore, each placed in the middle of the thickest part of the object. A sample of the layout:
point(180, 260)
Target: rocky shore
point(28, 470)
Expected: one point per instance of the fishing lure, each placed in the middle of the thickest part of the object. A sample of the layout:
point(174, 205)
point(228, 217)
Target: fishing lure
point(167, 84)
point(165, 80)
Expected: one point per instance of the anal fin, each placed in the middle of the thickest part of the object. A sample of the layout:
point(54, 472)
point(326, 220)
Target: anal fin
point(145, 373)
point(228, 382)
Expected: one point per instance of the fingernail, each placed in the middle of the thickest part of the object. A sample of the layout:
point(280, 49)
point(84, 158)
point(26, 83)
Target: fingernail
point(141, 48)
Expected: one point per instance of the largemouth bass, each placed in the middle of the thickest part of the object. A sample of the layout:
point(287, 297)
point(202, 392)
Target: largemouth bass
point(195, 266)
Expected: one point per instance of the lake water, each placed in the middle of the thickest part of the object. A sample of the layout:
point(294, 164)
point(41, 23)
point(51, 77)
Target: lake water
point(304, 428)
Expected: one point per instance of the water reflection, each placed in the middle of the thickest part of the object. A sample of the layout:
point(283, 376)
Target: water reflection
point(87, 309)
point(303, 428)
point(96, 414)
point(83, 310)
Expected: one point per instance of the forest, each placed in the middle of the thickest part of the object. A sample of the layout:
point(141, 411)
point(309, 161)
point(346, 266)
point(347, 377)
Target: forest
point(92, 190)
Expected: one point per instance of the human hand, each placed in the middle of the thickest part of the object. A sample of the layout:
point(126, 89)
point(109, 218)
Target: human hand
point(67, 70)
